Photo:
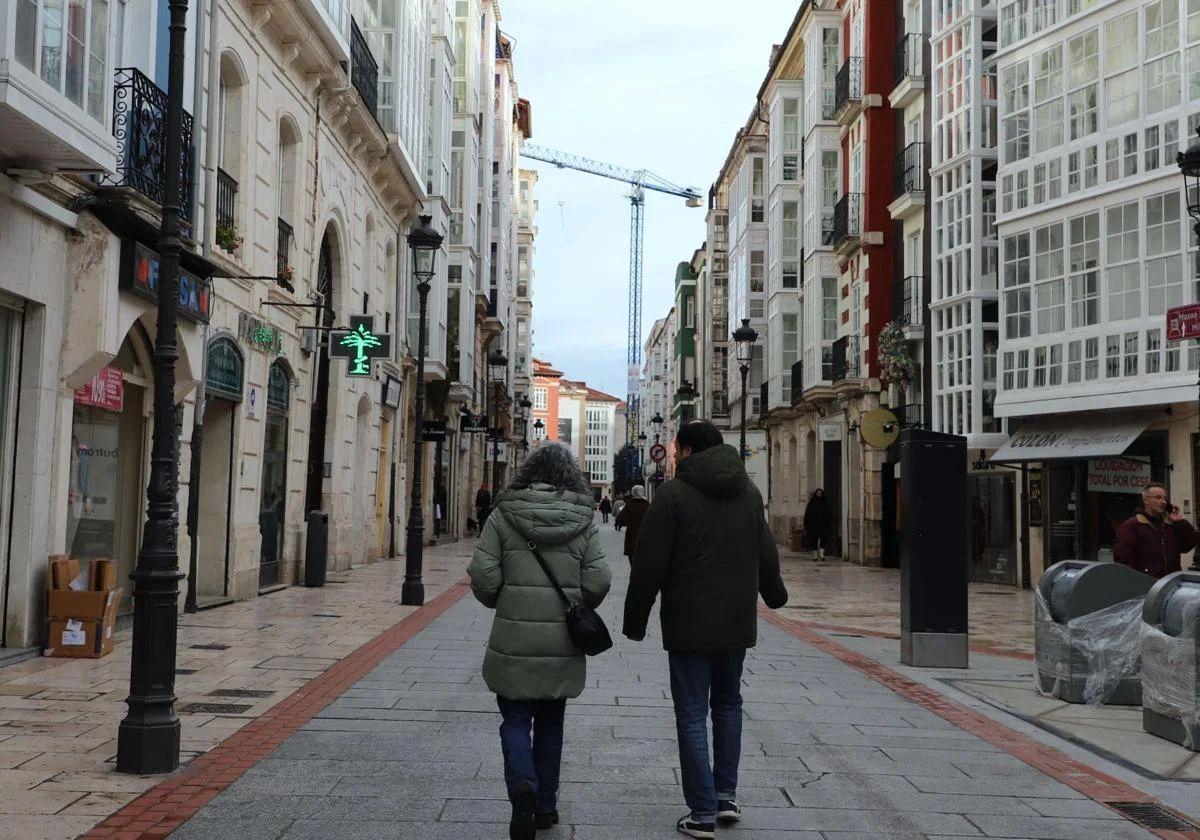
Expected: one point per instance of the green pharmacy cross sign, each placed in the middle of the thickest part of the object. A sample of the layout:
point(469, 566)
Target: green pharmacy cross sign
point(360, 344)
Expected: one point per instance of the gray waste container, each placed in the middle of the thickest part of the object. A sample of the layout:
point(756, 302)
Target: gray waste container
point(1087, 632)
point(1171, 668)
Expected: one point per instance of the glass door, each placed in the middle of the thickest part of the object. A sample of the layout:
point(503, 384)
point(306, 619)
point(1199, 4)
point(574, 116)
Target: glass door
point(273, 490)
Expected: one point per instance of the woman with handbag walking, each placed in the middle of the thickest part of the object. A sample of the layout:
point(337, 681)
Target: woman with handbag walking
point(539, 552)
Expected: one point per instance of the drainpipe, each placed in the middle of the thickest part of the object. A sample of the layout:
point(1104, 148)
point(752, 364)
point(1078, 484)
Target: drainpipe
point(210, 154)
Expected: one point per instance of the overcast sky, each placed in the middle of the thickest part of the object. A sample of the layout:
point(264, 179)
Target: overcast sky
point(655, 84)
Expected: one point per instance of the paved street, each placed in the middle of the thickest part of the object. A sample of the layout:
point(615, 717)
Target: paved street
point(411, 751)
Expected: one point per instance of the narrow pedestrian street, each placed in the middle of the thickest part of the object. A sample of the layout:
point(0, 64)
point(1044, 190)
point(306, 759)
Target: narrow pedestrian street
point(410, 751)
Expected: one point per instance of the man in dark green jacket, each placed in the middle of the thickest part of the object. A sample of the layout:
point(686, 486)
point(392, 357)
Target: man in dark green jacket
point(706, 546)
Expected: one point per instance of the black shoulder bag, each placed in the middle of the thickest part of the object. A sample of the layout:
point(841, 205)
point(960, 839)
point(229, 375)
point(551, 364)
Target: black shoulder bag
point(584, 625)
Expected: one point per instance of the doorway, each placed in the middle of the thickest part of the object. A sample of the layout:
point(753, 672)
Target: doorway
point(273, 498)
point(318, 417)
point(832, 478)
point(222, 394)
point(10, 331)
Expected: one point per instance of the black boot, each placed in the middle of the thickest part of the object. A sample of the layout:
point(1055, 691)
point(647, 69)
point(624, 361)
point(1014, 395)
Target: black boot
point(524, 799)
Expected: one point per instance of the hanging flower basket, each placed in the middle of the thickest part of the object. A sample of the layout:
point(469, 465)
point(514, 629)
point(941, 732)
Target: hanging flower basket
point(896, 364)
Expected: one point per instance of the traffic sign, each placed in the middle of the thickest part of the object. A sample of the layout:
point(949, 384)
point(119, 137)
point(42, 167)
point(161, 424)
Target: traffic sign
point(1183, 322)
point(658, 453)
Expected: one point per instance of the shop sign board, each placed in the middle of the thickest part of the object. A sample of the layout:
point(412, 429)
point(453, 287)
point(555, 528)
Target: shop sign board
point(259, 334)
point(474, 424)
point(433, 431)
point(359, 345)
point(829, 431)
point(223, 378)
point(391, 392)
point(1118, 475)
point(139, 275)
point(1050, 441)
point(105, 390)
point(1183, 322)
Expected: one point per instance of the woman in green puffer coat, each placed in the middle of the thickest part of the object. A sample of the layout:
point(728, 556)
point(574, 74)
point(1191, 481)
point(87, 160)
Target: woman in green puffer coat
point(530, 662)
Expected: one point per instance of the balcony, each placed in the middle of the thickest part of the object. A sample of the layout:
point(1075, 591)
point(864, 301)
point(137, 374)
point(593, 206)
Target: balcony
point(797, 382)
point(364, 72)
point(907, 305)
point(140, 126)
point(283, 255)
point(847, 223)
point(910, 71)
point(911, 182)
point(911, 415)
point(848, 91)
point(226, 233)
point(845, 360)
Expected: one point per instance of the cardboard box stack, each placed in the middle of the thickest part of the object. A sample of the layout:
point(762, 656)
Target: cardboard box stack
point(81, 607)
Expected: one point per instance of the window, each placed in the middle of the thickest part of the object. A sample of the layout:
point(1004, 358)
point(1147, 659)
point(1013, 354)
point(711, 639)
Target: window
point(1016, 284)
point(73, 58)
point(1016, 106)
point(790, 244)
point(830, 53)
point(1131, 354)
point(1112, 159)
point(1039, 367)
point(1163, 83)
point(791, 139)
point(1091, 361)
point(791, 351)
point(1074, 361)
point(829, 302)
point(1112, 356)
point(1162, 27)
point(539, 398)
point(1153, 351)
point(1164, 262)
point(1007, 383)
point(1124, 290)
point(1074, 172)
point(1121, 92)
point(1129, 147)
point(1083, 52)
point(1048, 272)
point(757, 200)
point(1085, 270)
point(1022, 189)
point(757, 263)
point(1022, 368)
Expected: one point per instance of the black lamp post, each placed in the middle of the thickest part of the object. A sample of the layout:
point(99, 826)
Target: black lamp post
point(424, 242)
point(538, 426)
point(148, 737)
point(526, 404)
point(1189, 165)
point(641, 439)
point(744, 337)
point(497, 368)
point(658, 421)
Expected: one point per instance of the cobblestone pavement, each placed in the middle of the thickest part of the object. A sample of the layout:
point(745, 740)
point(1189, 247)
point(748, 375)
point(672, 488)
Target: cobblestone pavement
point(59, 717)
point(411, 751)
point(839, 594)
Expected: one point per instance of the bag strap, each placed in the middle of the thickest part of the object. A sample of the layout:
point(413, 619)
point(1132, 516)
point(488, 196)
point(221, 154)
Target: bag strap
point(546, 568)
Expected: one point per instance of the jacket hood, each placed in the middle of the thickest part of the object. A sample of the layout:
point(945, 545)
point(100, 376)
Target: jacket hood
point(547, 516)
point(716, 472)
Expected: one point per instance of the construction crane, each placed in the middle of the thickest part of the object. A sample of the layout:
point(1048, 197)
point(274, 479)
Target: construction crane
point(639, 180)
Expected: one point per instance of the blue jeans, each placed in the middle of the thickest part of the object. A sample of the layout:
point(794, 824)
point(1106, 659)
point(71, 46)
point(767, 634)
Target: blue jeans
point(700, 681)
point(534, 761)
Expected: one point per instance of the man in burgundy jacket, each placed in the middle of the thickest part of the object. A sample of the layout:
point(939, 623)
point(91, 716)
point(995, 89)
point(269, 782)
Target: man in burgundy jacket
point(1153, 538)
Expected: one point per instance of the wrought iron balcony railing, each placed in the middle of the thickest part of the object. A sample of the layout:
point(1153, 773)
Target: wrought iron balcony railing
point(848, 86)
point(364, 72)
point(910, 173)
point(911, 415)
point(845, 359)
point(906, 301)
point(284, 255)
point(847, 218)
point(140, 126)
point(227, 189)
point(797, 381)
point(910, 57)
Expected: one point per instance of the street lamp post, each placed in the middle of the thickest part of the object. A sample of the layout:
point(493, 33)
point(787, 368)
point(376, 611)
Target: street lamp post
point(538, 426)
point(641, 438)
point(1189, 166)
point(148, 737)
point(525, 404)
point(497, 366)
point(657, 420)
point(744, 337)
point(424, 242)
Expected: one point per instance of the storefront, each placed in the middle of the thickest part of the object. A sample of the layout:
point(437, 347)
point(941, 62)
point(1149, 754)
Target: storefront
point(1083, 478)
point(992, 508)
point(107, 458)
point(273, 491)
point(223, 388)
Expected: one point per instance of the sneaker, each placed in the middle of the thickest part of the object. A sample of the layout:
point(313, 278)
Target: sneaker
point(728, 811)
point(692, 828)
point(524, 800)
point(545, 819)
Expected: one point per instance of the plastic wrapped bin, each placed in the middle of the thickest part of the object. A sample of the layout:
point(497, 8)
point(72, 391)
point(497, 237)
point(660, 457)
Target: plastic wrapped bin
point(1170, 665)
point(1087, 632)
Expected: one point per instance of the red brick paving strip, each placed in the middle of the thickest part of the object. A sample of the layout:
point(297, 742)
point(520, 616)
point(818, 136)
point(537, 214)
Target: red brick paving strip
point(165, 807)
point(1074, 774)
point(988, 648)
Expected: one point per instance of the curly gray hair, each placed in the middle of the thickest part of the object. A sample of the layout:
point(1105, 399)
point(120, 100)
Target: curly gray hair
point(553, 464)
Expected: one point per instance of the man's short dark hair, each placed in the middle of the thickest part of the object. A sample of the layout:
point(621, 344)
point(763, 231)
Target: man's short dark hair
point(1155, 485)
point(698, 435)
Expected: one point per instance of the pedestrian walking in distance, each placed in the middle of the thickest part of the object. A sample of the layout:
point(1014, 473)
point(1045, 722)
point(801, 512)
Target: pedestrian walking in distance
point(483, 506)
point(605, 508)
point(531, 663)
point(631, 517)
point(818, 522)
point(705, 545)
point(618, 506)
point(1153, 538)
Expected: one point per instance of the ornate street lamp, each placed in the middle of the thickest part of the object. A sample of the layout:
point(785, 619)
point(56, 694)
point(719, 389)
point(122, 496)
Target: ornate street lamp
point(425, 242)
point(1189, 165)
point(744, 337)
point(641, 439)
point(658, 421)
point(497, 371)
point(538, 426)
point(148, 737)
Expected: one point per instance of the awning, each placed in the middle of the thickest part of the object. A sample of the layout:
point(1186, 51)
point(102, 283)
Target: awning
point(1056, 440)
